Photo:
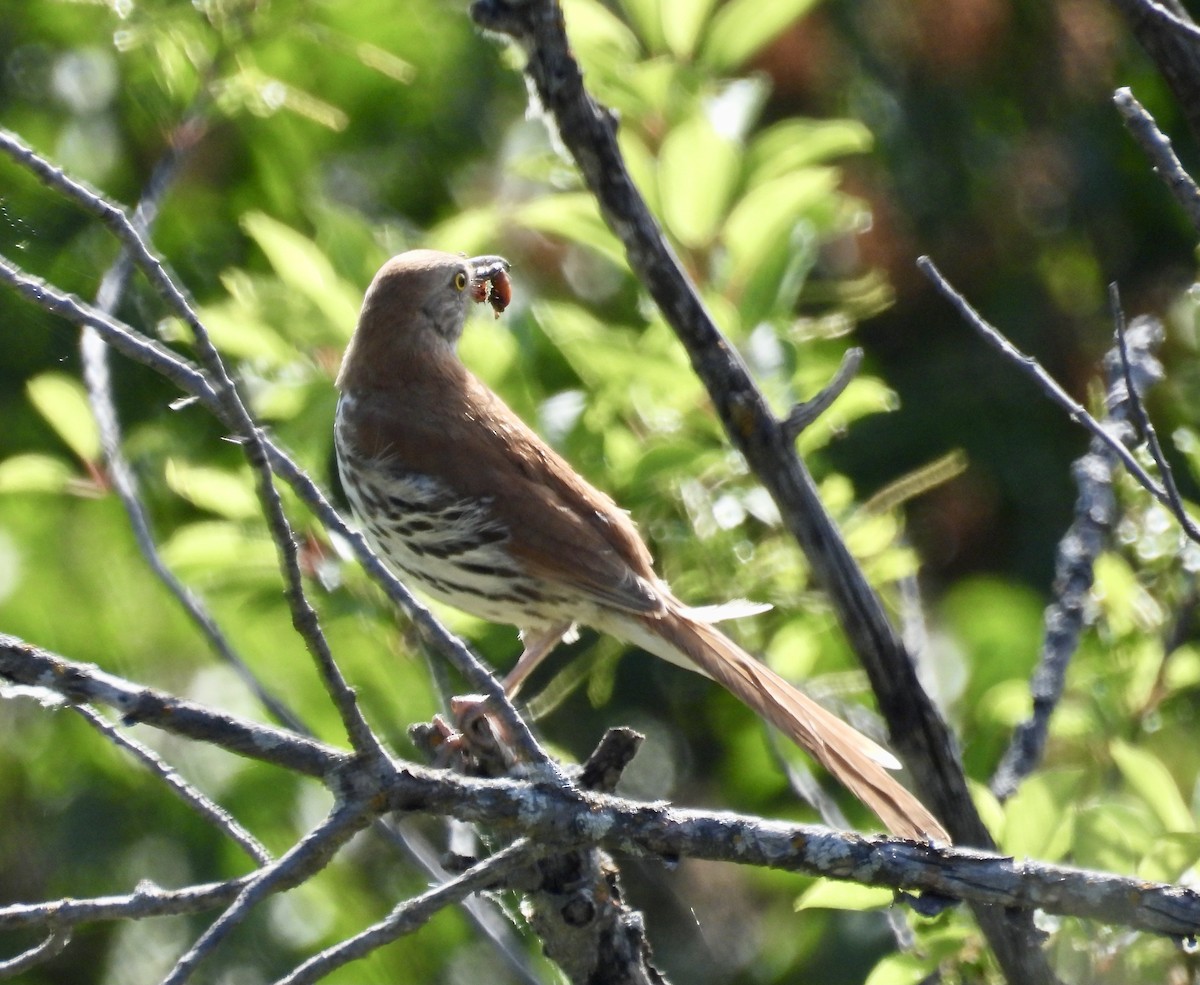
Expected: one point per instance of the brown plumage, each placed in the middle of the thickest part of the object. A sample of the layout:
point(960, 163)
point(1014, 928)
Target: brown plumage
point(470, 505)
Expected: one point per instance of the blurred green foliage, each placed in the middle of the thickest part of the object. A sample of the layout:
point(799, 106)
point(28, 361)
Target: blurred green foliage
point(325, 137)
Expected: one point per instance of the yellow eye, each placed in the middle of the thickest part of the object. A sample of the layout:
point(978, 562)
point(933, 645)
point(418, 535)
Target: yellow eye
point(460, 281)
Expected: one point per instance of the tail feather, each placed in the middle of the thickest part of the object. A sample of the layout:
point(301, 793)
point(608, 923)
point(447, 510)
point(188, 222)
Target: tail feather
point(860, 764)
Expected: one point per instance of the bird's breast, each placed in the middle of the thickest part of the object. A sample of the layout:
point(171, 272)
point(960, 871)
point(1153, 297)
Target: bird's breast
point(451, 546)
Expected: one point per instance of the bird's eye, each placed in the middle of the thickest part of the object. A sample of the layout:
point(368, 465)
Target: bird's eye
point(460, 281)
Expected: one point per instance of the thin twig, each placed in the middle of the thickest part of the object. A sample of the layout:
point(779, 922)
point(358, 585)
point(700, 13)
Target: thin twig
point(47, 950)
point(1149, 332)
point(804, 414)
point(312, 854)
point(148, 900)
point(1076, 411)
point(98, 379)
point(487, 917)
point(1157, 146)
point(414, 913)
point(804, 785)
point(195, 799)
point(1089, 534)
point(1167, 33)
point(33, 667)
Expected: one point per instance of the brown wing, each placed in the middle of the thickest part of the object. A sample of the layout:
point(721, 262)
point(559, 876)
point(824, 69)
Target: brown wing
point(560, 527)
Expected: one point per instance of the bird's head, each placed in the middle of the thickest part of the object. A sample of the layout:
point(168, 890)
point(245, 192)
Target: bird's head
point(416, 304)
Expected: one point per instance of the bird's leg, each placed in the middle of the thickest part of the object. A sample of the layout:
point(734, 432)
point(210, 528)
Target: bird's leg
point(537, 647)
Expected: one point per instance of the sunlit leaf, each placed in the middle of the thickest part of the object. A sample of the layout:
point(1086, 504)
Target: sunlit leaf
point(1114, 835)
point(642, 168)
point(593, 27)
point(697, 174)
point(741, 27)
point(34, 473)
point(1170, 857)
point(62, 402)
point(864, 396)
point(794, 144)
point(575, 217)
point(1149, 776)
point(647, 19)
point(900, 969)
point(239, 332)
point(302, 265)
point(832, 894)
point(766, 237)
point(1039, 817)
point(219, 546)
point(227, 494)
point(472, 231)
point(991, 811)
point(682, 23)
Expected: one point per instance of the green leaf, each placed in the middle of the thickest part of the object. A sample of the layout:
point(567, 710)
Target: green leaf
point(830, 894)
point(1039, 817)
point(647, 19)
point(795, 144)
point(62, 401)
point(301, 264)
point(470, 231)
point(760, 226)
point(237, 331)
point(1113, 835)
point(1149, 776)
point(575, 217)
point(594, 29)
point(900, 969)
point(698, 171)
point(219, 546)
point(642, 168)
point(34, 473)
point(742, 27)
point(682, 23)
point(991, 811)
point(1170, 857)
point(227, 494)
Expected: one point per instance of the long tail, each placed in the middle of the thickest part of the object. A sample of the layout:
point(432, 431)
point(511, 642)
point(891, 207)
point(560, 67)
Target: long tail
point(860, 764)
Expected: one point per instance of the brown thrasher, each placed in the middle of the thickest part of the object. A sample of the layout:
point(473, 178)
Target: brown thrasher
point(471, 506)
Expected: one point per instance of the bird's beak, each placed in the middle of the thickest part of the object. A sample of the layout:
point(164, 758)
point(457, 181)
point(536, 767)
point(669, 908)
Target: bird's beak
point(485, 268)
point(489, 275)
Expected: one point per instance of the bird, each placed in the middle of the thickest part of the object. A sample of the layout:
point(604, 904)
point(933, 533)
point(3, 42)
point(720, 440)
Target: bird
point(468, 504)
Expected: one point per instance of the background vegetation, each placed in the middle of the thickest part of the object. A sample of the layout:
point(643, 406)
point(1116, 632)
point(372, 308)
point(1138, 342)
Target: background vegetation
point(799, 160)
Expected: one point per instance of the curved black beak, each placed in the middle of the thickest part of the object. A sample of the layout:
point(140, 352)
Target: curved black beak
point(486, 267)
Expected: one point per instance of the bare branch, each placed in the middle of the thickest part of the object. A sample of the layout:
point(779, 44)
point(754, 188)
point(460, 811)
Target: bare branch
point(1165, 29)
point(1088, 535)
point(29, 666)
point(1157, 147)
point(414, 913)
point(47, 950)
point(1138, 371)
point(312, 854)
point(1076, 411)
point(195, 799)
point(803, 415)
point(564, 819)
point(655, 830)
point(148, 900)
